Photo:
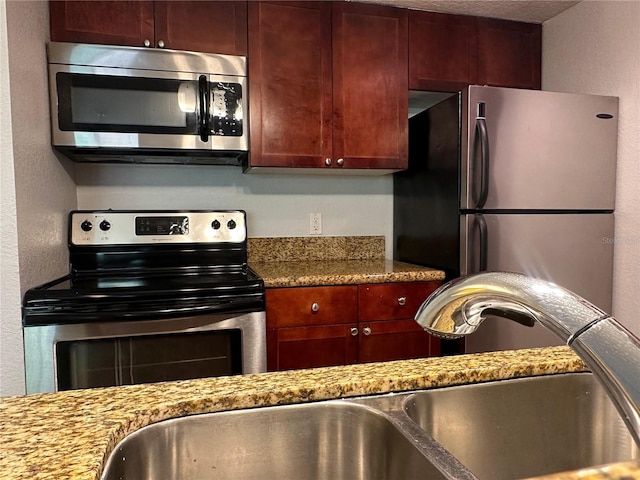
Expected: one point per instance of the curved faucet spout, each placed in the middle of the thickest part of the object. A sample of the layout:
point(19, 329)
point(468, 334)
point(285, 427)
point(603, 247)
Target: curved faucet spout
point(610, 351)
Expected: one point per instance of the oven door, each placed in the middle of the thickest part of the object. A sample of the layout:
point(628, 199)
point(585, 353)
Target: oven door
point(67, 357)
point(117, 108)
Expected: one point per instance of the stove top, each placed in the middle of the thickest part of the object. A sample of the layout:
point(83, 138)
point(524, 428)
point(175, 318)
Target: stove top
point(149, 265)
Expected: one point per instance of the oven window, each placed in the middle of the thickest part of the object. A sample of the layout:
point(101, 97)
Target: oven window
point(146, 359)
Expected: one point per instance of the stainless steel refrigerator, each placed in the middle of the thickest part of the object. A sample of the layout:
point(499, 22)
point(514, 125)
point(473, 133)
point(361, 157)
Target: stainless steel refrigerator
point(513, 180)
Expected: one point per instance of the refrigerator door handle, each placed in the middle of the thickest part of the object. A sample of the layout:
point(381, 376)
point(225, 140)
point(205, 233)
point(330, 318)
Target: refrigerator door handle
point(483, 242)
point(481, 135)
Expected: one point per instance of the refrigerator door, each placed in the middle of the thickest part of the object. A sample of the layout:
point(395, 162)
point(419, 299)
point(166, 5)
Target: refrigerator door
point(537, 150)
point(573, 250)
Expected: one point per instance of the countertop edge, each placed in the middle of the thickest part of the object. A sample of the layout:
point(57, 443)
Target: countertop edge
point(342, 272)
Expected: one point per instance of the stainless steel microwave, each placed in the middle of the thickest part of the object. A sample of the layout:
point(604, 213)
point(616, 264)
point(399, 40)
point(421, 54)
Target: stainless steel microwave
point(143, 105)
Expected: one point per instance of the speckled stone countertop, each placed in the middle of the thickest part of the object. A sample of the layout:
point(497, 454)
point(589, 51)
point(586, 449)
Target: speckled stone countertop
point(315, 261)
point(69, 435)
point(341, 272)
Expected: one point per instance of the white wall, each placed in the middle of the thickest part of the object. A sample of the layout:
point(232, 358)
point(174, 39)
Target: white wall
point(11, 365)
point(276, 205)
point(44, 187)
point(594, 47)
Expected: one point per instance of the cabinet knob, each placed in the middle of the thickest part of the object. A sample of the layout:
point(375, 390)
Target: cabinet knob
point(340, 162)
point(402, 300)
point(315, 307)
point(354, 331)
point(160, 43)
point(147, 42)
point(327, 162)
point(366, 331)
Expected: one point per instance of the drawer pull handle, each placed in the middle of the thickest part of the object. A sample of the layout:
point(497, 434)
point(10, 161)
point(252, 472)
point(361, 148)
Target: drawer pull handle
point(354, 331)
point(402, 300)
point(366, 331)
point(315, 307)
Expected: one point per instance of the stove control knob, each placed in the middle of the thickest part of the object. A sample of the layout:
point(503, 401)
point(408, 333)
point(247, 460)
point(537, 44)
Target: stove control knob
point(231, 224)
point(104, 225)
point(215, 224)
point(86, 226)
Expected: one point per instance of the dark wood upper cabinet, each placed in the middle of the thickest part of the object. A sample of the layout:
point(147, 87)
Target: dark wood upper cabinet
point(290, 80)
point(443, 51)
point(449, 52)
point(202, 26)
point(509, 53)
point(370, 83)
point(107, 22)
point(328, 84)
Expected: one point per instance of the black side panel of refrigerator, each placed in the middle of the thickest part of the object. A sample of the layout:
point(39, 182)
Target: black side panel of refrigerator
point(426, 221)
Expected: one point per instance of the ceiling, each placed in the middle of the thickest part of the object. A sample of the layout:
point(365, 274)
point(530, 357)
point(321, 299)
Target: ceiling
point(531, 11)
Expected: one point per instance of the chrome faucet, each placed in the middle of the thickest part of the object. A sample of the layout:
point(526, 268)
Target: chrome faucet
point(610, 351)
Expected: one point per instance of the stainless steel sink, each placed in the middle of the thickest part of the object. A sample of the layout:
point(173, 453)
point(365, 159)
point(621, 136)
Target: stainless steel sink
point(326, 440)
point(497, 430)
point(525, 427)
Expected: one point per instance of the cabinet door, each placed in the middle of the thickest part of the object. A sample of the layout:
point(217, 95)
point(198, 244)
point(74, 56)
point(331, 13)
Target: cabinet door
point(310, 347)
point(370, 83)
point(290, 83)
point(509, 53)
point(107, 22)
point(202, 26)
point(443, 51)
point(394, 340)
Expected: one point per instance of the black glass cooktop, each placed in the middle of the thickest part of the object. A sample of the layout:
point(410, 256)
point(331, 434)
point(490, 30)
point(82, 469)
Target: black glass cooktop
point(126, 295)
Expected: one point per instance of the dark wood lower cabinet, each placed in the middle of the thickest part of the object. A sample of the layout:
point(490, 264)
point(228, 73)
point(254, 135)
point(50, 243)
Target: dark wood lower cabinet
point(326, 346)
point(311, 327)
point(394, 340)
point(309, 347)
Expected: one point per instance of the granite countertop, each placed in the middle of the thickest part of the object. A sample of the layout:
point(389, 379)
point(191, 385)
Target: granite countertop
point(70, 434)
point(315, 261)
point(341, 272)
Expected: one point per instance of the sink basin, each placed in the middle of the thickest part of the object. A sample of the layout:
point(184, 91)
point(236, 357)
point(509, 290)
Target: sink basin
point(525, 427)
point(326, 440)
point(496, 430)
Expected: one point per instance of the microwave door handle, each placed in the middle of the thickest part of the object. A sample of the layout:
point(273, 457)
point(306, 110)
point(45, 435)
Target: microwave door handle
point(203, 96)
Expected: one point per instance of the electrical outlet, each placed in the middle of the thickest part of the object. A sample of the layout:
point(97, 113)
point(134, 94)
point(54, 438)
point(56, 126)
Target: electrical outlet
point(315, 223)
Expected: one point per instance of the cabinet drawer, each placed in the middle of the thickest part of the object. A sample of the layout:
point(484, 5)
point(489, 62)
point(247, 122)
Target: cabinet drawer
point(305, 306)
point(392, 301)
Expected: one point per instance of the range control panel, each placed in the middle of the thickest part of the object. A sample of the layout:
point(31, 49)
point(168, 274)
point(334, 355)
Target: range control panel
point(112, 227)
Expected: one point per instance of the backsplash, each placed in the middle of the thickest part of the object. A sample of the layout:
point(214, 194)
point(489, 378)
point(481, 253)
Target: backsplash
point(288, 249)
